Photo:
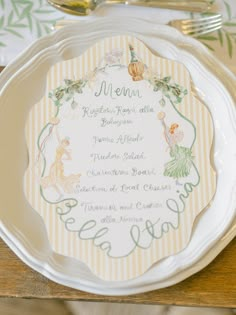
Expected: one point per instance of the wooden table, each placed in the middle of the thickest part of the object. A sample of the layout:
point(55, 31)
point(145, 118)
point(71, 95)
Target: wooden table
point(214, 286)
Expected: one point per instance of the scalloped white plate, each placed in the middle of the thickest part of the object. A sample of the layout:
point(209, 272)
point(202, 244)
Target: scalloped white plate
point(23, 229)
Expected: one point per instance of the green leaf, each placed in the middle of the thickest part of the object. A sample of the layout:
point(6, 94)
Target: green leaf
point(19, 25)
point(39, 31)
point(2, 44)
point(26, 12)
point(1, 21)
point(166, 79)
point(2, 4)
point(9, 30)
point(178, 100)
point(228, 9)
point(10, 18)
point(207, 37)
point(229, 24)
point(39, 11)
point(23, 2)
point(30, 23)
point(57, 103)
point(220, 35)
point(47, 29)
point(229, 45)
point(68, 82)
point(209, 47)
point(206, 14)
point(13, 3)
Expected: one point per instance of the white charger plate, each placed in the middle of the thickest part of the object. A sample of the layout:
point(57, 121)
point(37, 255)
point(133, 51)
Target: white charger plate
point(31, 244)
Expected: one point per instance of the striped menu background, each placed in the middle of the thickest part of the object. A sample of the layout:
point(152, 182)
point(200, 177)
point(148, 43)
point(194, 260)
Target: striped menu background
point(68, 243)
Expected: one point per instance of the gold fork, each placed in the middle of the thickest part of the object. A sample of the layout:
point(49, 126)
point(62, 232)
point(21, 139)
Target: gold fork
point(199, 26)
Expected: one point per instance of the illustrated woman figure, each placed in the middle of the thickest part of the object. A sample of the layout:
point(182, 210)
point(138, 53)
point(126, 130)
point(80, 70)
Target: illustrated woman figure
point(56, 178)
point(180, 164)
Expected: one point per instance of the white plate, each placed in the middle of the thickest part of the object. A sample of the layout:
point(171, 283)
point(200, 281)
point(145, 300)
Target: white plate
point(30, 242)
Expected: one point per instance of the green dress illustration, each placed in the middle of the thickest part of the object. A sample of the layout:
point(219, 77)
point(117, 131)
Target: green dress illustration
point(181, 162)
point(181, 157)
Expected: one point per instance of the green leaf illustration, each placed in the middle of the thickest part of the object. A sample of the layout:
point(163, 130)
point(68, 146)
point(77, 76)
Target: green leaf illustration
point(208, 46)
point(39, 11)
point(24, 2)
point(220, 35)
point(47, 29)
point(228, 9)
point(38, 27)
point(167, 79)
point(229, 45)
point(2, 4)
point(15, 8)
point(10, 18)
point(1, 21)
point(230, 24)
point(30, 22)
point(207, 37)
point(26, 11)
point(224, 36)
point(19, 25)
point(10, 30)
point(11, 24)
point(26, 14)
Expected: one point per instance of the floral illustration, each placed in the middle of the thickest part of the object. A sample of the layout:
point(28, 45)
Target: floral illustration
point(66, 92)
point(136, 69)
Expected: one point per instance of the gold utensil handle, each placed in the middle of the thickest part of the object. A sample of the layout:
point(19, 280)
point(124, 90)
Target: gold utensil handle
point(84, 7)
point(191, 5)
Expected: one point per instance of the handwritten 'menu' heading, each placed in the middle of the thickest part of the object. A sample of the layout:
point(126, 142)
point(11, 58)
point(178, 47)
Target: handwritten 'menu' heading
point(107, 89)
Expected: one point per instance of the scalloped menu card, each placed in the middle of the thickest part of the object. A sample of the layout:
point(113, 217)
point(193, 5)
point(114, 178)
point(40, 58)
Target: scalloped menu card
point(119, 158)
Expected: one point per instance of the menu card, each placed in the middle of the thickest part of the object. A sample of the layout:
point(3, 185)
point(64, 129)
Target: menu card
point(119, 158)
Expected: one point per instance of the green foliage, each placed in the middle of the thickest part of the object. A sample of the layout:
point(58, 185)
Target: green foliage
point(228, 10)
point(224, 36)
point(33, 15)
point(66, 92)
point(173, 91)
point(2, 4)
